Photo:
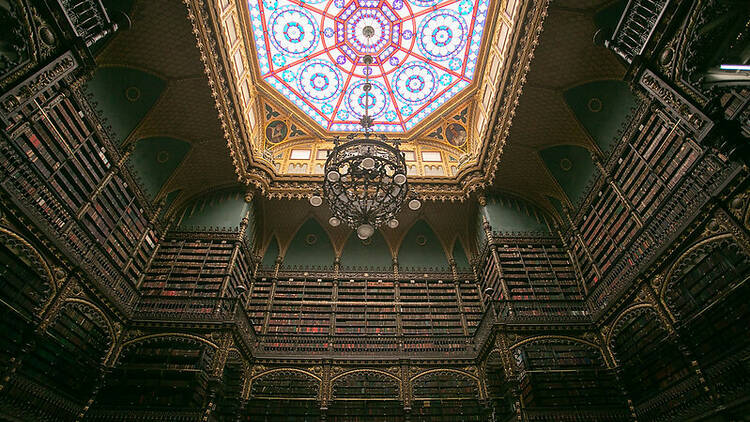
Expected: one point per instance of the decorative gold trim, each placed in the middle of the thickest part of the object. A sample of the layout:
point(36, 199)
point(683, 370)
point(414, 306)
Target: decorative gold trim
point(257, 171)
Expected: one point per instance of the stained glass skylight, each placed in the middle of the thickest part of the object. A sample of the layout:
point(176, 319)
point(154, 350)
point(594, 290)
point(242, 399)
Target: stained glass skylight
point(424, 51)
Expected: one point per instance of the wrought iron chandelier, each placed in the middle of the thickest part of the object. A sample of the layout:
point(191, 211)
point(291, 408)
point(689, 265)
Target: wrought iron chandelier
point(365, 181)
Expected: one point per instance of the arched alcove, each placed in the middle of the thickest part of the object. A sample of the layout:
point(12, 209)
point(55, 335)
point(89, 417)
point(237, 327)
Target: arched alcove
point(310, 247)
point(155, 159)
point(650, 359)
point(572, 167)
point(511, 216)
point(602, 107)
point(421, 249)
point(215, 211)
point(124, 95)
point(272, 252)
point(445, 394)
point(460, 256)
point(372, 254)
point(159, 371)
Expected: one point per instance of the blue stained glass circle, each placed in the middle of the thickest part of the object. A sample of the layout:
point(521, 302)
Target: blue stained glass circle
point(293, 31)
point(415, 82)
point(355, 99)
point(454, 64)
point(288, 75)
point(441, 34)
point(279, 59)
point(465, 7)
point(319, 81)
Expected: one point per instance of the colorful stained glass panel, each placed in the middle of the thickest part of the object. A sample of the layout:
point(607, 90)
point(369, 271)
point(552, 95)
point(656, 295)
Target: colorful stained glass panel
point(424, 52)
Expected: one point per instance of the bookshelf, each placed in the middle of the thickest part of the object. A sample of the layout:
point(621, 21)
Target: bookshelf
point(365, 397)
point(650, 360)
point(62, 167)
point(446, 396)
point(557, 372)
point(199, 264)
point(533, 269)
point(653, 163)
point(160, 374)
point(708, 298)
point(369, 308)
point(68, 355)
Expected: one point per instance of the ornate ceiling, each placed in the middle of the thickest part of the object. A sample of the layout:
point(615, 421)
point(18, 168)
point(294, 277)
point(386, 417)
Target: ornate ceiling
point(424, 53)
point(207, 104)
point(296, 69)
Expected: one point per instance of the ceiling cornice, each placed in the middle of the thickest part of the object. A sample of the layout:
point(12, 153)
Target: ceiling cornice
point(258, 172)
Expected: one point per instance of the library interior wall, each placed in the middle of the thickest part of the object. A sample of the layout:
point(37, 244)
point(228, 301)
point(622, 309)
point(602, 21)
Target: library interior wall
point(602, 107)
point(223, 211)
point(512, 216)
point(373, 253)
point(572, 167)
point(272, 252)
point(421, 248)
point(124, 95)
point(311, 246)
point(459, 255)
point(155, 159)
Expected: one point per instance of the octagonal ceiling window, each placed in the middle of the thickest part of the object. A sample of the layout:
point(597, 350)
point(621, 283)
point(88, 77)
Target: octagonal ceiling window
point(424, 53)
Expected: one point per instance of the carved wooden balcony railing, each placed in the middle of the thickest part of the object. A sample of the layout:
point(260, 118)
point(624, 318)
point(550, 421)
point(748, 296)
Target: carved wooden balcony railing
point(636, 26)
point(196, 310)
point(88, 18)
point(543, 312)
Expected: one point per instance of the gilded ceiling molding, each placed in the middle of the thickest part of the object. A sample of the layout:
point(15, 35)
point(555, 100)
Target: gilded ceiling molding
point(242, 126)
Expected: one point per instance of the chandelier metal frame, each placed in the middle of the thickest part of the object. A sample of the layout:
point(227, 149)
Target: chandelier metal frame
point(365, 182)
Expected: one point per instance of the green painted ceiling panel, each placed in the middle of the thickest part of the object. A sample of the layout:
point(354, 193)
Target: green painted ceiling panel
point(572, 167)
point(421, 248)
point(310, 247)
point(223, 211)
point(602, 107)
point(155, 159)
point(373, 253)
point(269, 259)
point(168, 201)
point(124, 95)
point(513, 216)
point(608, 17)
point(459, 255)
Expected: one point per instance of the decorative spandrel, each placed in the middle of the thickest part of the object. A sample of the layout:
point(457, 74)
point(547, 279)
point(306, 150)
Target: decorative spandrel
point(424, 51)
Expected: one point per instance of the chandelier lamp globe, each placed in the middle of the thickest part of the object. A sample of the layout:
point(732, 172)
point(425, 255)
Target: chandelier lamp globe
point(365, 182)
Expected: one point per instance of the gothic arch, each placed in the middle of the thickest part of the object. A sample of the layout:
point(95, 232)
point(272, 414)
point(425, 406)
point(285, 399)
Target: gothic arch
point(472, 379)
point(271, 371)
point(456, 371)
point(98, 315)
point(548, 337)
point(150, 338)
point(377, 372)
point(619, 323)
point(40, 266)
point(681, 264)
